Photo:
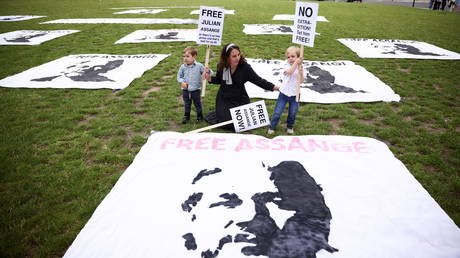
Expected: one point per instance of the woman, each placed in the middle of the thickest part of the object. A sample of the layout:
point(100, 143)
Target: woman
point(232, 72)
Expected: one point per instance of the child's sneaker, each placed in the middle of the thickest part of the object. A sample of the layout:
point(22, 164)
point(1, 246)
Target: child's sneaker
point(290, 131)
point(270, 131)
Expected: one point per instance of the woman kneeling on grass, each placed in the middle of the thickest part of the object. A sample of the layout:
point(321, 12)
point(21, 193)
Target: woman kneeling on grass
point(232, 72)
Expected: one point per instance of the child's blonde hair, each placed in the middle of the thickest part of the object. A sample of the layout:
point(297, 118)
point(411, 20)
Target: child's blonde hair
point(293, 48)
point(193, 51)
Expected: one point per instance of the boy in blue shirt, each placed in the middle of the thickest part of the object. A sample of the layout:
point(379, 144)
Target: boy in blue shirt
point(190, 77)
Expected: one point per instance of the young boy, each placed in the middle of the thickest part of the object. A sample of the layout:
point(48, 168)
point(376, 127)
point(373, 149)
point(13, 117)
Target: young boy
point(288, 90)
point(189, 77)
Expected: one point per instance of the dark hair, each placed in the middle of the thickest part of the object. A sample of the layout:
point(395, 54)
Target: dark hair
point(225, 53)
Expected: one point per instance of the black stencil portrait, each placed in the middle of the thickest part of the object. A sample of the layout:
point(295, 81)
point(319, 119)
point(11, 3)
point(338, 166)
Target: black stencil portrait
point(302, 235)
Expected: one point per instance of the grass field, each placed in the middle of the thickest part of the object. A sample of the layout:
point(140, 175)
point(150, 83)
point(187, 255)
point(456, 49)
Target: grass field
point(62, 150)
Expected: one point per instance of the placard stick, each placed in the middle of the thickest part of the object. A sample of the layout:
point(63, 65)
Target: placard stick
point(297, 91)
point(206, 63)
point(211, 127)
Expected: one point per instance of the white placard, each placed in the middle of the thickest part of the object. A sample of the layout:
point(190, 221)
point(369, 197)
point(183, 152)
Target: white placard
point(32, 37)
point(210, 26)
point(141, 11)
point(324, 82)
point(225, 12)
point(91, 71)
point(198, 195)
point(171, 35)
point(395, 48)
point(250, 116)
point(290, 17)
point(125, 21)
point(305, 23)
point(11, 18)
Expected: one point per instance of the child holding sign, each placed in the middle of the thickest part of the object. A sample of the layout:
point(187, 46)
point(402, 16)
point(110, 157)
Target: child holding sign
point(189, 76)
point(288, 90)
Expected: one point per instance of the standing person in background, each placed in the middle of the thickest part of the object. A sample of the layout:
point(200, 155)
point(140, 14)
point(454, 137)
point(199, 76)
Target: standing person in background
point(232, 72)
point(288, 90)
point(189, 77)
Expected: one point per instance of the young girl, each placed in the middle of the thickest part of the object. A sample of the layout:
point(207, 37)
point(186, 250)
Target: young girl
point(288, 90)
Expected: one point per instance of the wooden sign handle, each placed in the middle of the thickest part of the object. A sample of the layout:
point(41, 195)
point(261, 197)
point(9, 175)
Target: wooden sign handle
point(211, 127)
point(297, 91)
point(206, 63)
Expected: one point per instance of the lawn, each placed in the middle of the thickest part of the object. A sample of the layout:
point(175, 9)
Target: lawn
point(62, 150)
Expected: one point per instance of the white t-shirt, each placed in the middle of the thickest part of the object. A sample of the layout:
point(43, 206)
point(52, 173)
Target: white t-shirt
point(289, 85)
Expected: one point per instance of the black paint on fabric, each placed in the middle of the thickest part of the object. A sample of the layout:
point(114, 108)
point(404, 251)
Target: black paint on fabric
point(322, 82)
point(193, 217)
point(223, 241)
point(209, 254)
point(205, 172)
point(191, 201)
point(303, 234)
point(189, 241)
point(408, 49)
point(86, 73)
point(232, 201)
point(228, 224)
point(23, 39)
point(170, 35)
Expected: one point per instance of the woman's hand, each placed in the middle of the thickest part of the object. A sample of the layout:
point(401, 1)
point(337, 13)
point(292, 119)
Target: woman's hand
point(206, 74)
point(276, 88)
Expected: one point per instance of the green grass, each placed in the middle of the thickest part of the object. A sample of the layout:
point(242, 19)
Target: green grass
point(62, 150)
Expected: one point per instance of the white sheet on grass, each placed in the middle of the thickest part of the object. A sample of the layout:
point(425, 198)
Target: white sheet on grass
point(395, 48)
point(154, 7)
point(31, 37)
point(259, 29)
point(126, 21)
point(290, 17)
point(376, 207)
point(225, 12)
point(170, 35)
point(324, 82)
point(10, 18)
point(141, 11)
point(91, 71)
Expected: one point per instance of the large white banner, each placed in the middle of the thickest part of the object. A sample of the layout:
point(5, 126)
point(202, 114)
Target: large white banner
point(210, 26)
point(31, 37)
point(261, 29)
point(154, 7)
point(394, 48)
point(142, 36)
point(91, 71)
point(324, 82)
point(225, 11)
point(236, 195)
point(290, 17)
point(141, 11)
point(126, 21)
point(9, 18)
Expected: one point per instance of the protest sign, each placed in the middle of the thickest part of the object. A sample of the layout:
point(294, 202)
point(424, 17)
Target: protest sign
point(210, 27)
point(244, 118)
point(304, 31)
point(250, 116)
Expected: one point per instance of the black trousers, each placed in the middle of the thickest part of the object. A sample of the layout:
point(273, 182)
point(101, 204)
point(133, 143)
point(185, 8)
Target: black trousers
point(189, 97)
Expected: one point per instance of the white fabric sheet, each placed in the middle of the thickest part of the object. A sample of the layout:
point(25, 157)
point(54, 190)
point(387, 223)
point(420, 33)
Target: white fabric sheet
point(171, 35)
point(290, 17)
point(141, 11)
point(125, 21)
point(394, 48)
point(377, 208)
point(91, 71)
point(260, 29)
point(32, 37)
point(324, 82)
point(225, 12)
